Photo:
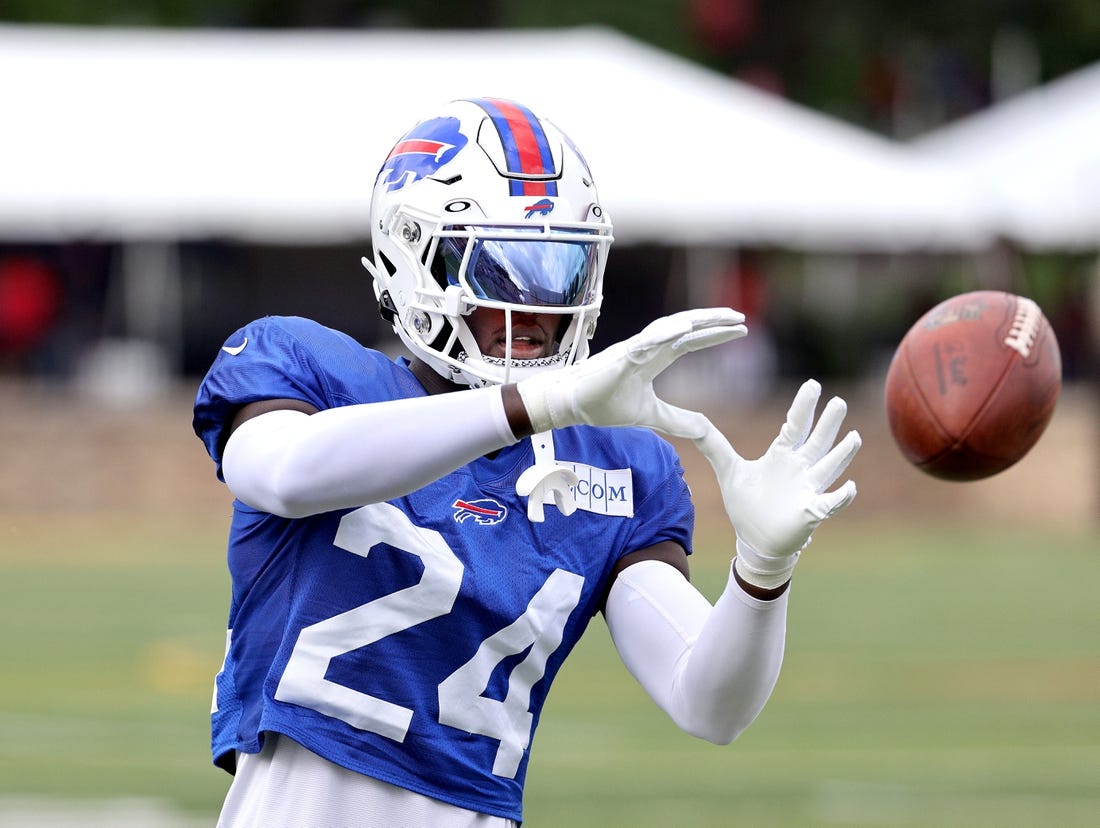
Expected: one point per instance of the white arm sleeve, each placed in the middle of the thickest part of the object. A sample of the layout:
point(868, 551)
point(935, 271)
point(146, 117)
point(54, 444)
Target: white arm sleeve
point(711, 669)
point(294, 464)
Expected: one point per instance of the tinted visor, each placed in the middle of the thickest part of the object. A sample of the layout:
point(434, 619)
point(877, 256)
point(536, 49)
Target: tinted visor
point(536, 272)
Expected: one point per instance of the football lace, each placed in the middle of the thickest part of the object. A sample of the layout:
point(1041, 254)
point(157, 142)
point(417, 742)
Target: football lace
point(1025, 327)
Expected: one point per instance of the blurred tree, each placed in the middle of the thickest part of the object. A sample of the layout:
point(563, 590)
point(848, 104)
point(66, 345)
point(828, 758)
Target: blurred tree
point(253, 13)
point(899, 67)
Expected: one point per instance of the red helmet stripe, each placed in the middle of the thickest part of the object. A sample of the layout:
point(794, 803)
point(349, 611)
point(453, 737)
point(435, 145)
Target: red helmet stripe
point(526, 147)
point(522, 124)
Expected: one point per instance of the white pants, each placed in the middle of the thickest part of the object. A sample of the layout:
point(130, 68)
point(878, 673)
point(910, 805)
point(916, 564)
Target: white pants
point(287, 786)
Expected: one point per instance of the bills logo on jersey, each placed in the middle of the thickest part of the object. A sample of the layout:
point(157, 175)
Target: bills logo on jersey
point(485, 511)
point(426, 149)
point(542, 207)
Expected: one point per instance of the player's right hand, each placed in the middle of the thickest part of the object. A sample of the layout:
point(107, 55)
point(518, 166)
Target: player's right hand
point(615, 386)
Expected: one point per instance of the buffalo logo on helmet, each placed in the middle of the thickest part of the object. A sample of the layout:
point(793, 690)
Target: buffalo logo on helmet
point(485, 511)
point(426, 149)
point(542, 207)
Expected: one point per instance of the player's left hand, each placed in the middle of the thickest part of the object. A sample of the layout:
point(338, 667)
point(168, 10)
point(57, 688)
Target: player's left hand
point(777, 501)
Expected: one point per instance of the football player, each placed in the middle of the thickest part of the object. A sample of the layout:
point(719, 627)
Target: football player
point(418, 543)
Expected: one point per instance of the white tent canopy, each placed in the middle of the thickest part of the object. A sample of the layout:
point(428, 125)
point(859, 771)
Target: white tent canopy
point(1038, 154)
point(153, 134)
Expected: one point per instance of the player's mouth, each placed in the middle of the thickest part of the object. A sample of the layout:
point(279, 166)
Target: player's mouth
point(528, 342)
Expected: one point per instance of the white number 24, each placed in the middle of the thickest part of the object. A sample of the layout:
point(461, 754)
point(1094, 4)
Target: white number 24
point(461, 704)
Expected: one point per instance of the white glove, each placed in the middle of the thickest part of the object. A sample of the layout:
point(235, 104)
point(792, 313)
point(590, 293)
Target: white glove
point(615, 387)
point(776, 502)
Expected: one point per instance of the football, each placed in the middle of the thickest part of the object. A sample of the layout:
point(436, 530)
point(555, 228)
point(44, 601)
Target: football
point(973, 385)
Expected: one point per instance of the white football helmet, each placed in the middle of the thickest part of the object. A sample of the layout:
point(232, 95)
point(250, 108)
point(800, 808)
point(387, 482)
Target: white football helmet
point(486, 205)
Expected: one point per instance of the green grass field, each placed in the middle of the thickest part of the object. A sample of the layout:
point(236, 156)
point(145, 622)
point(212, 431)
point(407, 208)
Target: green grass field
point(935, 676)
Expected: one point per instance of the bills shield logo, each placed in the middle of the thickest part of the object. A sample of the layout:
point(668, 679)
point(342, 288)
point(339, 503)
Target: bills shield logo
point(422, 152)
point(542, 207)
point(486, 511)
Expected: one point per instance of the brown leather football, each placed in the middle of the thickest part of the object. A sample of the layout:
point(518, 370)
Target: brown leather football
point(973, 385)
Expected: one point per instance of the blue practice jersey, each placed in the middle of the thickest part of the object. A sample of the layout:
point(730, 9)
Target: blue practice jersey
point(415, 640)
